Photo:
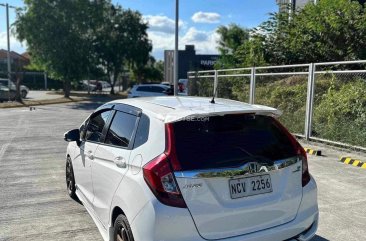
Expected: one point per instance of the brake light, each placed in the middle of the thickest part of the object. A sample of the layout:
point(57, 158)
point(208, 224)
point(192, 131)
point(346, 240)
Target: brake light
point(299, 151)
point(159, 175)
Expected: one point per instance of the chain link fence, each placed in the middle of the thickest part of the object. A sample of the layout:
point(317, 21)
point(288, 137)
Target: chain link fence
point(322, 101)
point(339, 108)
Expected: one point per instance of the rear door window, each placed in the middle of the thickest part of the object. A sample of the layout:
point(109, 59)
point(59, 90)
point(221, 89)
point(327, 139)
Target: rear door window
point(230, 141)
point(121, 130)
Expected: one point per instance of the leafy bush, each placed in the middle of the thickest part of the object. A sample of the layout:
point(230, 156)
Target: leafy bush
point(339, 106)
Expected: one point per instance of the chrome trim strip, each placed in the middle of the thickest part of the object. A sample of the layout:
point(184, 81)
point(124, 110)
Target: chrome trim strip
point(250, 168)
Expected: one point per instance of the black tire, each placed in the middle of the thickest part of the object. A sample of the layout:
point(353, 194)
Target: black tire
point(24, 94)
point(122, 230)
point(70, 179)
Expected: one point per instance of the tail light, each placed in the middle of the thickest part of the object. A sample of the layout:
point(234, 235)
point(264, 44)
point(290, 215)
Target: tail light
point(300, 152)
point(159, 175)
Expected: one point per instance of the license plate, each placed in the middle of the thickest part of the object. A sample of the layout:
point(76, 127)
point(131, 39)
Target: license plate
point(249, 186)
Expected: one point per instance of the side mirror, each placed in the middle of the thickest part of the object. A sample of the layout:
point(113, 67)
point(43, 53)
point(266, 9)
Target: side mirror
point(73, 135)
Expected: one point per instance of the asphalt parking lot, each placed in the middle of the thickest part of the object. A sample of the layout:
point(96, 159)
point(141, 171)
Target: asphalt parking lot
point(34, 204)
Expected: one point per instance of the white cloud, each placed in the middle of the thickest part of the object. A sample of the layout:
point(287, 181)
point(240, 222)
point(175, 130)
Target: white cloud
point(160, 23)
point(206, 17)
point(161, 41)
point(15, 45)
point(194, 35)
point(205, 41)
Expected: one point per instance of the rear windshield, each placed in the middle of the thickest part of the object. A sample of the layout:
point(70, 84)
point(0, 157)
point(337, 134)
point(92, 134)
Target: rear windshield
point(230, 141)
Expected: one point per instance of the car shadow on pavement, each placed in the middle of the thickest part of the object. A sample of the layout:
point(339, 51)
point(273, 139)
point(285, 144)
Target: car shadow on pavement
point(319, 238)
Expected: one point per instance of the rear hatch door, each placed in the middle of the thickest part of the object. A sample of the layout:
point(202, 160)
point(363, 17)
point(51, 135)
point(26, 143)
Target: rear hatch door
point(239, 174)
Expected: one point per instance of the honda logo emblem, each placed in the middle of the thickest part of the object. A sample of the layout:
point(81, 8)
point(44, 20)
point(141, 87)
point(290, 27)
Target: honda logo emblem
point(253, 167)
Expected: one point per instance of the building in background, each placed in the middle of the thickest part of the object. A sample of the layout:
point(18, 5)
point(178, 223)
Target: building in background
point(290, 5)
point(188, 61)
point(17, 61)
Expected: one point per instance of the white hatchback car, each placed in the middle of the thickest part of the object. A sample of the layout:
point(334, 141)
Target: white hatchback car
point(150, 90)
point(183, 168)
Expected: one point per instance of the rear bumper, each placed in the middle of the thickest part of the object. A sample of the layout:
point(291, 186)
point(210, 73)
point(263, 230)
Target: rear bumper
point(159, 222)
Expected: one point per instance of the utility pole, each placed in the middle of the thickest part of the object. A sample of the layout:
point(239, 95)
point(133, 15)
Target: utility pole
point(7, 6)
point(8, 38)
point(176, 51)
point(45, 80)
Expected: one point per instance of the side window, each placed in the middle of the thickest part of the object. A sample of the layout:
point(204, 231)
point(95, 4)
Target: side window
point(95, 126)
point(144, 89)
point(142, 133)
point(157, 89)
point(121, 130)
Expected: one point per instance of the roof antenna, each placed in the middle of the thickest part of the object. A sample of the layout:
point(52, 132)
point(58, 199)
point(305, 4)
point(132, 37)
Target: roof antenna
point(213, 97)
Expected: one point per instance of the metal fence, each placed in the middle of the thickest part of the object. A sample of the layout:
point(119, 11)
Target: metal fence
point(320, 101)
point(34, 80)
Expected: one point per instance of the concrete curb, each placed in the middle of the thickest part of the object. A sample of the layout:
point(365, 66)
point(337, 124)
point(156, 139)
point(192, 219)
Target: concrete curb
point(313, 152)
point(41, 102)
point(353, 162)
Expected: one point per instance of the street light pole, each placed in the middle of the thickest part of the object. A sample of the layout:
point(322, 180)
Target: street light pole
point(176, 52)
point(8, 38)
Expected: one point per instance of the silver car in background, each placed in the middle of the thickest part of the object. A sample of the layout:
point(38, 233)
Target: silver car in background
point(5, 92)
point(24, 90)
point(150, 90)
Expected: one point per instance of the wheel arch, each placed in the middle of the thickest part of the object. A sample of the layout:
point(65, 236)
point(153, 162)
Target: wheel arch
point(115, 213)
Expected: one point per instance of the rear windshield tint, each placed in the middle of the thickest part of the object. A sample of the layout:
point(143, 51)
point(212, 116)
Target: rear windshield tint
point(230, 141)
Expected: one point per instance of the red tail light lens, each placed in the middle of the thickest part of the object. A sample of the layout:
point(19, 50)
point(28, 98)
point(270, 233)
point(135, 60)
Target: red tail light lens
point(300, 152)
point(159, 175)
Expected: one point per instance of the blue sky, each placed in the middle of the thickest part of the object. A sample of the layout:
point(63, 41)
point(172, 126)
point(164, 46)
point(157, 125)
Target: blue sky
point(198, 20)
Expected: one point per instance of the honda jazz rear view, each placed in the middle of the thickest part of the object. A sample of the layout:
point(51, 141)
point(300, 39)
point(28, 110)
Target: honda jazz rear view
point(193, 170)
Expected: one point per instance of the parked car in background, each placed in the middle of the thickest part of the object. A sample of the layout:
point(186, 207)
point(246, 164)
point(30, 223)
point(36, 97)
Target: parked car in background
point(149, 90)
point(24, 90)
point(95, 85)
point(5, 92)
point(187, 169)
point(165, 83)
point(105, 84)
point(89, 85)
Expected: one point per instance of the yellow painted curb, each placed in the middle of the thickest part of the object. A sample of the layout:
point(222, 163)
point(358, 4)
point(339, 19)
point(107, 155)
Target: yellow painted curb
point(353, 162)
point(313, 152)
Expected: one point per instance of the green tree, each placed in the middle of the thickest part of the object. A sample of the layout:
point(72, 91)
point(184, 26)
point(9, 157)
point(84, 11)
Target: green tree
point(121, 40)
point(231, 38)
point(331, 30)
point(149, 72)
point(251, 53)
point(56, 34)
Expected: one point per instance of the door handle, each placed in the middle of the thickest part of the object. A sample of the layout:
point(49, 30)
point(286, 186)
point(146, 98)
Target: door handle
point(120, 162)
